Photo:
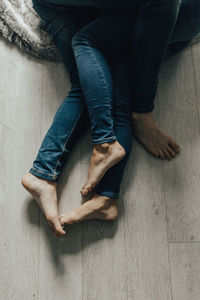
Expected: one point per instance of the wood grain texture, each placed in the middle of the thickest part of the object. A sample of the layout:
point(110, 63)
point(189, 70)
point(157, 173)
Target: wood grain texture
point(152, 251)
point(180, 118)
point(185, 269)
point(147, 263)
point(19, 141)
point(103, 257)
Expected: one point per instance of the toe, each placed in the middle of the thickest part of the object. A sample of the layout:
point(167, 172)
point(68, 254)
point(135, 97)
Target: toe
point(171, 151)
point(167, 155)
point(156, 154)
point(67, 219)
point(174, 146)
point(161, 154)
point(56, 226)
point(61, 217)
point(62, 220)
point(84, 191)
point(88, 186)
point(59, 230)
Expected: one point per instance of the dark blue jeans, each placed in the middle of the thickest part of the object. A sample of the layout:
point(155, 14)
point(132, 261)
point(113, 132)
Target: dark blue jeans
point(71, 117)
point(157, 28)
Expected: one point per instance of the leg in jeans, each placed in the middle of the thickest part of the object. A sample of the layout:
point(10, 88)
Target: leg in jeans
point(41, 180)
point(122, 124)
point(92, 64)
point(102, 124)
point(103, 207)
point(149, 46)
point(110, 33)
point(145, 129)
point(148, 133)
point(68, 122)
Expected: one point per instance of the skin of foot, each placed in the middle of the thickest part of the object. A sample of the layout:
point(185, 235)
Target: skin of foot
point(45, 193)
point(153, 139)
point(99, 207)
point(104, 156)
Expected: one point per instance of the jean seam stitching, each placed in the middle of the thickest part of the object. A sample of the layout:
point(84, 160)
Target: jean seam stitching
point(38, 170)
point(99, 68)
point(105, 85)
point(104, 138)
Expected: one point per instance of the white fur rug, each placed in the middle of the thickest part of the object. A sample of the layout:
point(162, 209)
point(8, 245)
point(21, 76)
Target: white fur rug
point(20, 24)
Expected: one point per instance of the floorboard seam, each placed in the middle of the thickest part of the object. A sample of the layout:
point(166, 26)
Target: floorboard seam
point(186, 242)
point(165, 212)
point(195, 88)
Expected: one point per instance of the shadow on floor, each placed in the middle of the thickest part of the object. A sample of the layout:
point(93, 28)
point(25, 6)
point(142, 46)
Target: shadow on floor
point(79, 238)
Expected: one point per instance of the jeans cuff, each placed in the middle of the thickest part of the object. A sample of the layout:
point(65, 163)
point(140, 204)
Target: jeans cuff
point(43, 175)
point(104, 140)
point(107, 194)
point(143, 109)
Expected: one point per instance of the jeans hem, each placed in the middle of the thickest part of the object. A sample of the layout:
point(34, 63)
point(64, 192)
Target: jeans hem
point(107, 194)
point(43, 175)
point(143, 110)
point(106, 140)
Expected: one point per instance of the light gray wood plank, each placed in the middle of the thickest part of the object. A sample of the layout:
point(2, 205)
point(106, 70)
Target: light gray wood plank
point(196, 67)
point(179, 117)
point(20, 223)
point(148, 275)
point(185, 270)
point(103, 256)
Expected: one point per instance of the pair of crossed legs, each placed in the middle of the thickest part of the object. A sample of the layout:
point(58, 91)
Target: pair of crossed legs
point(110, 33)
point(69, 119)
point(69, 122)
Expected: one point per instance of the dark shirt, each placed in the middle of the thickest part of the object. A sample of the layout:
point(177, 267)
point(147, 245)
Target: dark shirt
point(102, 4)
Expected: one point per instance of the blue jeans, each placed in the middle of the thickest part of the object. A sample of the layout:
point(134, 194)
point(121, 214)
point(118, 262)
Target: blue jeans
point(159, 29)
point(71, 117)
point(66, 125)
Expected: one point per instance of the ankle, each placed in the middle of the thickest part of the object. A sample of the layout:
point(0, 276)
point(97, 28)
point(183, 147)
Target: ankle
point(104, 147)
point(103, 203)
point(108, 208)
point(101, 148)
point(139, 116)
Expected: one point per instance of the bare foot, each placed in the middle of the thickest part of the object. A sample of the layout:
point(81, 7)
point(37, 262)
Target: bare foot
point(99, 207)
point(104, 156)
point(154, 140)
point(45, 193)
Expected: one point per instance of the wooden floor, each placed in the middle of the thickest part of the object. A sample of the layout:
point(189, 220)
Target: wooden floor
point(152, 252)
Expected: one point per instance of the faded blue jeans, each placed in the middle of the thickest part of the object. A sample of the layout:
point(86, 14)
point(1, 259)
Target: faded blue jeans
point(71, 117)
